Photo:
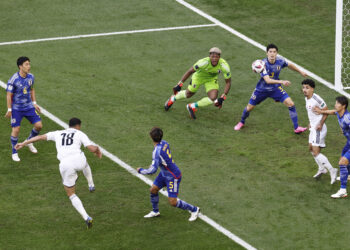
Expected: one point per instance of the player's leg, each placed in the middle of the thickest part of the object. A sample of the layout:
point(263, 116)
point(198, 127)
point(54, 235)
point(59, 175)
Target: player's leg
point(88, 175)
point(287, 101)
point(256, 98)
point(69, 177)
point(212, 89)
point(188, 93)
point(344, 172)
point(16, 119)
point(34, 118)
point(158, 183)
point(314, 150)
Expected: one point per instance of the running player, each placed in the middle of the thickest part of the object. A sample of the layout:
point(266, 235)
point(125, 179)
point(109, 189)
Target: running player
point(21, 102)
point(269, 86)
point(341, 105)
point(72, 160)
point(169, 176)
point(205, 72)
point(318, 129)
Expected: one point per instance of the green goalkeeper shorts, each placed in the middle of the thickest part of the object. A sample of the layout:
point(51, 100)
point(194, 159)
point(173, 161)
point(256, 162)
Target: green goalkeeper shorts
point(209, 85)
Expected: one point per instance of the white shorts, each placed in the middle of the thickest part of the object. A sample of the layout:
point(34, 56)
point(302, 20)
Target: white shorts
point(318, 138)
point(70, 166)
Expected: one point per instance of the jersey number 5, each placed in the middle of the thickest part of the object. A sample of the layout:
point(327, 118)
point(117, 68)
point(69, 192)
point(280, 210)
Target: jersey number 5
point(67, 139)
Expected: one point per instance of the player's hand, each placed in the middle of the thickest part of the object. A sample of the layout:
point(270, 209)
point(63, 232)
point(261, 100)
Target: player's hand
point(304, 74)
point(8, 114)
point(37, 108)
point(98, 153)
point(177, 88)
point(285, 83)
point(19, 145)
point(218, 102)
point(316, 110)
point(319, 127)
point(138, 170)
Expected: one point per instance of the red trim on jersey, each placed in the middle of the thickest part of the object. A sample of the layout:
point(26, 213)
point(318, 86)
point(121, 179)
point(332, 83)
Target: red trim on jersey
point(173, 173)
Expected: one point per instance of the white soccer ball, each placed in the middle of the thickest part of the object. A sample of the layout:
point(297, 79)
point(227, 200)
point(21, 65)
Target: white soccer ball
point(258, 66)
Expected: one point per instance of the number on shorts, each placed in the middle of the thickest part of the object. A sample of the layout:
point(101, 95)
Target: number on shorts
point(67, 139)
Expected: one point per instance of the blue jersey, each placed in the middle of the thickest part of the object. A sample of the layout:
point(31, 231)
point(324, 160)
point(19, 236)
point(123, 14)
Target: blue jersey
point(273, 71)
point(344, 123)
point(21, 88)
point(161, 157)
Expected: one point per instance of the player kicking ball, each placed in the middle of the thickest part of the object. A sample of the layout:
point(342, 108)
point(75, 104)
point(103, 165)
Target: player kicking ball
point(72, 160)
point(318, 129)
point(269, 86)
point(205, 72)
point(341, 105)
point(169, 176)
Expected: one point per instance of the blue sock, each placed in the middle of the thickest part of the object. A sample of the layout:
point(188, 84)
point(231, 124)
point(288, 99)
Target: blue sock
point(343, 175)
point(185, 206)
point(33, 133)
point(14, 141)
point(155, 201)
point(293, 116)
point(245, 115)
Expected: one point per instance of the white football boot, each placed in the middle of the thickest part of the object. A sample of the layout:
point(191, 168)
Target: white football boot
point(152, 214)
point(15, 157)
point(32, 148)
point(319, 173)
point(194, 215)
point(340, 194)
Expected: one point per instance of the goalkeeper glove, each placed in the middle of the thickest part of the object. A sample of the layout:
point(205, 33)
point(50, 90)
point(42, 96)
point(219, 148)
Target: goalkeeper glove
point(218, 102)
point(177, 88)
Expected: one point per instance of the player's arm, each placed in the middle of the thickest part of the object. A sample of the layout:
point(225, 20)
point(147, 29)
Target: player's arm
point(269, 80)
point(295, 68)
point(9, 104)
point(178, 86)
point(218, 102)
point(32, 96)
point(324, 117)
point(95, 150)
point(153, 168)
point(327, 112)
point(31, 140)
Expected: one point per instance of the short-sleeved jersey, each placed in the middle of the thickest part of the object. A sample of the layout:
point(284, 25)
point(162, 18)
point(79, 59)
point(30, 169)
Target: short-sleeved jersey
point(20, 88)
point(273, 71)
point(205, 71)
point(344, 123)
point(68, 142)
point(161, 157)
point(314, 101)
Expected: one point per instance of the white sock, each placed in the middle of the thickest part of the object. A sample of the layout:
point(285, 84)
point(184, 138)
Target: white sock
point(324, 161)
point(88, 175)
point(78, 205)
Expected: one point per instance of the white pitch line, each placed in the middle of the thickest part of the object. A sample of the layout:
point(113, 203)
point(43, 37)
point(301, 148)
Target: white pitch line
point(258, 45)
point(145, 179)
point(108, 34)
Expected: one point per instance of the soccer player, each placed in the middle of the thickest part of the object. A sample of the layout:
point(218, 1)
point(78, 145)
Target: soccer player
point(341, 105)
point(21, 102)
point(72, 160)
point(269, 86)
point(205, 72)
point(169, 176)
point(318, 129)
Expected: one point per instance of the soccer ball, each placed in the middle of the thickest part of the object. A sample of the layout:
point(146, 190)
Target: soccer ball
point(258, 66)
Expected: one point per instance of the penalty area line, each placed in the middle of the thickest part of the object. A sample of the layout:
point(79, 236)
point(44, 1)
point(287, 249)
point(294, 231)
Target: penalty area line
point(145, 179)
point(108, 34)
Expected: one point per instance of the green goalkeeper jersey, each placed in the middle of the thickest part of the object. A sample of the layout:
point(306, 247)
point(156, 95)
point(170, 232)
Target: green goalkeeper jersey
point(206, 72)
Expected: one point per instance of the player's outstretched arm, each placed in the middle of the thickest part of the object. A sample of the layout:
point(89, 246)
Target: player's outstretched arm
point(268, 80)
point(318, 111)
point(323, 120)
point(178, 86)
point(34, 139)
point(95, 150)
point(295, 68)
point(218, 102)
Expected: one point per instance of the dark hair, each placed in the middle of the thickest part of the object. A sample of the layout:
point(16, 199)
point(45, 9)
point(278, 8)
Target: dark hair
point(156, 134)
point(342, 100)
point(21, 60)
point(309, 82)
point(74, 121)
point(271, 46)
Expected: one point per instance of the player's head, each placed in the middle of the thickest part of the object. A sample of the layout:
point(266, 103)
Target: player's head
point(214, 55)
point(23, 63)
point(75, 123)
point(156, 134)
point(341, 103)
point(308, 87)
point(271, 51)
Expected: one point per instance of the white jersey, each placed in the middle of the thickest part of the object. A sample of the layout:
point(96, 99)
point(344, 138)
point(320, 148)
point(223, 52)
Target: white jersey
point(314, 101)
point(68, 142)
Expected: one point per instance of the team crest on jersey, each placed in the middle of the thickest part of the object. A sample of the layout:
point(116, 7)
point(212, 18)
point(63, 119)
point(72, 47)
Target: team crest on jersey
point(30, 82)
point(278, 67)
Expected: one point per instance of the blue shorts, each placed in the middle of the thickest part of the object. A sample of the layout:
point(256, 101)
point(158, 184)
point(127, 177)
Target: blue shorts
point(279, 95)
point(170, 182)
point(31, 115)
point(346, 152)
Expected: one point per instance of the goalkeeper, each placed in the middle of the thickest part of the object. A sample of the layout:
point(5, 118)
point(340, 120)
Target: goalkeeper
point(206, 73)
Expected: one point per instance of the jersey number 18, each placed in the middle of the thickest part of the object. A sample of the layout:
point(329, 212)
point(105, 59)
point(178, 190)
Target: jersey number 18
point(67, 139)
